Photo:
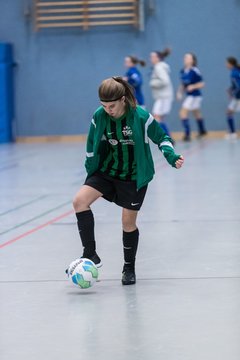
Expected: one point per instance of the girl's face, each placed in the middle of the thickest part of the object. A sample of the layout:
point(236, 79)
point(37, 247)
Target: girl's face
point(154, 58)
point(128, 62)
point(228, 65)
point(188, 60)
point(115, 108)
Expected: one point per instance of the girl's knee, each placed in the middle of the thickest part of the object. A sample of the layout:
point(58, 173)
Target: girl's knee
point(76, 202)
point(183, 114)
point(79, 204)
point(197, 114)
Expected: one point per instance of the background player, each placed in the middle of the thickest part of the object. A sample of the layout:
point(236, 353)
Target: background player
point(119, 166)
point(162, 89)
point(134, 77)
point(234, 93)
point(191, 85)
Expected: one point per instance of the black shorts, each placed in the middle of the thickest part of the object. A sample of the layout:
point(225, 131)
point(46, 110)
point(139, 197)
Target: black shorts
point(122, 193)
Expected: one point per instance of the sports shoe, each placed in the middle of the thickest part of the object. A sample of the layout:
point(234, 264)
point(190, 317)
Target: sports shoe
point(201, 134)
point(95, 258)
point(186, 138)
point(128, 277)
point(231, 136)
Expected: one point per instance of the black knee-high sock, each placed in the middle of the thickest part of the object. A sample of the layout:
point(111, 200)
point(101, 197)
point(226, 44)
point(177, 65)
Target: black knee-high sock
point(201, 126)
point(85, 222)
point(130, 245)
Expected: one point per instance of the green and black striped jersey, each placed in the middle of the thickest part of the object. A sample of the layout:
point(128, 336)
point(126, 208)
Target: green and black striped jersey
point(120, 162)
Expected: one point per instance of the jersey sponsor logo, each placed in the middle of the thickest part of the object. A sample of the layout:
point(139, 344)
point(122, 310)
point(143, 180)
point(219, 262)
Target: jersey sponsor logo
point(127, 131)
point(127, 142)
point(113, 142)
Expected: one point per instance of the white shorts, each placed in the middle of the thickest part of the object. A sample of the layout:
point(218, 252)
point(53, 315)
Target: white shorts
point(162, 107)
point(192, 103)
point(234, 105)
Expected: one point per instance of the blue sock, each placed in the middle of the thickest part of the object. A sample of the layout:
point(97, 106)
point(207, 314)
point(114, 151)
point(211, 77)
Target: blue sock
point(201, 126)
point(164, 127)
point(186, 127)
point(231, 124)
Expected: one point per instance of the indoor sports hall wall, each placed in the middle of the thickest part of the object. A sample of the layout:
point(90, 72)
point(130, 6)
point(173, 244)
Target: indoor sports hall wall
point(59, 71)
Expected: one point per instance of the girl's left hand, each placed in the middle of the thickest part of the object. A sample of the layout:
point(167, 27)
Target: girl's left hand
point(190, 88)
point(179, 162)
point(179, 95)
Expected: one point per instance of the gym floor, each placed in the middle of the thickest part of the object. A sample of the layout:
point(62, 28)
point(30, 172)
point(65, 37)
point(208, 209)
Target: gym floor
point(185, 305)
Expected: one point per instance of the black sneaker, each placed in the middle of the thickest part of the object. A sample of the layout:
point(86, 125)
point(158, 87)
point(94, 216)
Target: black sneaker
point(95, 258)
point(201, 134)
point(128, 277)
point(186, 138)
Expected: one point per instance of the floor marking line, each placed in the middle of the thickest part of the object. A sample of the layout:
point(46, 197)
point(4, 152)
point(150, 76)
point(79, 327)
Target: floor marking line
point(39, 227)
point(23, 205)
point(143, 221)
point(236, 277)
point(8, 167)
point(34, 218)
point(189, 152)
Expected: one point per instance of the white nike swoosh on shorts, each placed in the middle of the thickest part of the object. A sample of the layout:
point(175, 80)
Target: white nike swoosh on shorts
point(132, 204)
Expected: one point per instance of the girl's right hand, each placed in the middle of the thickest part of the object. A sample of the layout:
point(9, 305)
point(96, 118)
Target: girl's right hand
point(179, 162)
point(179, 95)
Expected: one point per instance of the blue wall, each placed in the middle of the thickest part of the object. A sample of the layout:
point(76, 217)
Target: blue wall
point(59, 71)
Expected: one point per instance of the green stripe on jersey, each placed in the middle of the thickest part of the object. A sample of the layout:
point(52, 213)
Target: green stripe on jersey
point(120, 161)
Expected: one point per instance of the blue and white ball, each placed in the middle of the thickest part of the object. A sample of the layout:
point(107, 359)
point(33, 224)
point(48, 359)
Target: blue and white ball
point(83, 273)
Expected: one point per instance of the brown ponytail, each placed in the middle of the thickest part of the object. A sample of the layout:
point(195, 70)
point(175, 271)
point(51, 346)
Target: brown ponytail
point(163, 54)
point(136, 61)
point(114, 89)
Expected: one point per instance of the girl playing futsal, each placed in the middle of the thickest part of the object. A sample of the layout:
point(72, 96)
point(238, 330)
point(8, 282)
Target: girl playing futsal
point(234, 93)
point(134, 77)
point(162, 89)
point(119, 165)
point(191, 84)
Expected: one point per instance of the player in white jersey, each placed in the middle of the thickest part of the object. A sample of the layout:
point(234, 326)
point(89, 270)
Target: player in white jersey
point(162, 89)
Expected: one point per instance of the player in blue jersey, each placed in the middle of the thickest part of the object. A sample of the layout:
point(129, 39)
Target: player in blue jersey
point(191, 85)
point(234, 93)
point(134, 77)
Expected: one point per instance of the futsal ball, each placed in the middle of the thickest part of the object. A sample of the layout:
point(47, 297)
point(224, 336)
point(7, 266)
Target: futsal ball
point(83, 273)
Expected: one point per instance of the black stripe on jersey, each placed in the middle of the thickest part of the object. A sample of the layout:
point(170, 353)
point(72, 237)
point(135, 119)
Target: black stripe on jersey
point(121, 126)
point(111, 129)
point(130, 161)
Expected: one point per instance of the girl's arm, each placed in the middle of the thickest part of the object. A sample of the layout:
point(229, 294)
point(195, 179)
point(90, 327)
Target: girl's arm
point(196, 86)
point(165, 145)
point(162, 78)
point(89, 145)
point(180, 92)
point(135, 79)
